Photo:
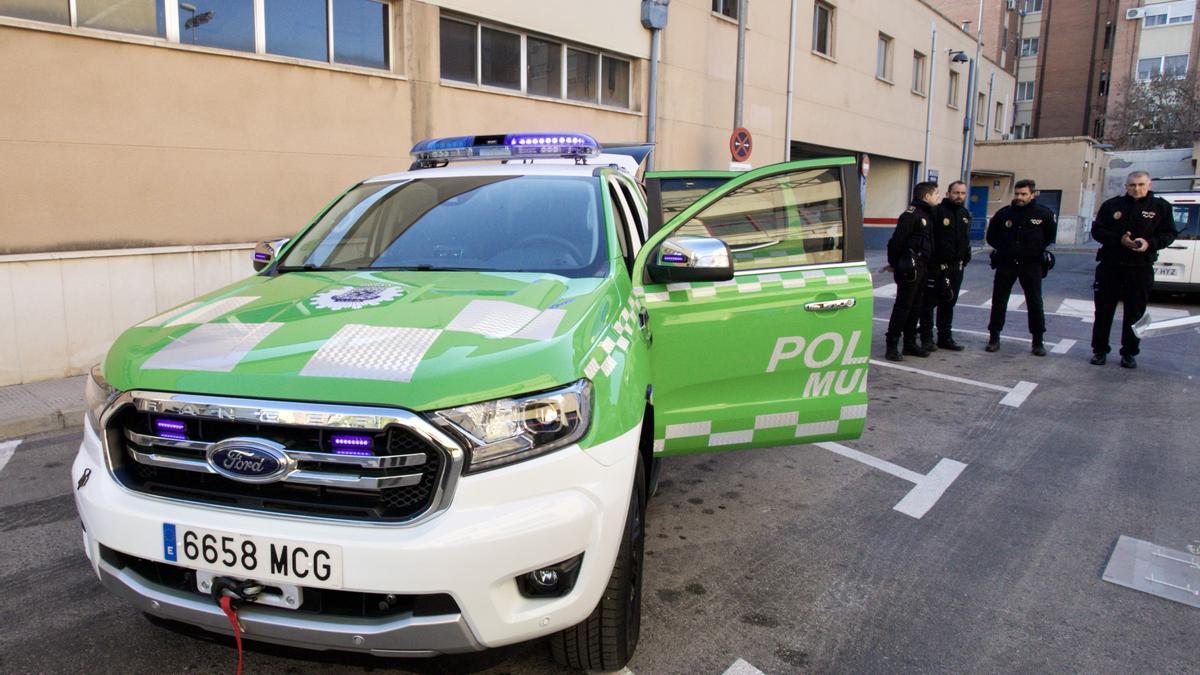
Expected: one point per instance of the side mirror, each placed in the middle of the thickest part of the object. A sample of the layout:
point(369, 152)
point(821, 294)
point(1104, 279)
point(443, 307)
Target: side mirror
point(265, 252)
point(688, 258)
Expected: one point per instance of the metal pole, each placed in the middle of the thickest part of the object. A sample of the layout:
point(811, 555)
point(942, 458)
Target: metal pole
point(741, 65)
point(928, 99)
point(652, 104)
point(1012, 127)
point(968, 121)
point(991, 105)
point(787, 117)
point(970, 150)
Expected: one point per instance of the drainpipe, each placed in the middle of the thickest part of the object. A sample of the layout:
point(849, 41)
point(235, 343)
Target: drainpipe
point(928, 98)
point(654, 19)
point(991, 105)
point(740, 83)
point(787, 117)
point(970, 150)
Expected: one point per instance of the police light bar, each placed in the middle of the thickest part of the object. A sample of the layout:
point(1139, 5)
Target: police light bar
point(510, 146)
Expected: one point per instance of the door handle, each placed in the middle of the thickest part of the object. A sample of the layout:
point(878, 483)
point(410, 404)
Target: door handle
point(829, 305)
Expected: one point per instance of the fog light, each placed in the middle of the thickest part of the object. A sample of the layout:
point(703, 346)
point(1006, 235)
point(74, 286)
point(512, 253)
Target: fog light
point(550, 582)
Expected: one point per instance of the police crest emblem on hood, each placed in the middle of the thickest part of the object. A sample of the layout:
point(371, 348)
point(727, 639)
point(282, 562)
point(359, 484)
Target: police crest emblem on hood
point(351, 297)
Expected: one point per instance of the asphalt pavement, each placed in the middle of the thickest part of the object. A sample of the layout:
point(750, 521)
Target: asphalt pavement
point(965, 532)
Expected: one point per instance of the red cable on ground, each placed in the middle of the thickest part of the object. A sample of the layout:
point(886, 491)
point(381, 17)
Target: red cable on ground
point(231, 614)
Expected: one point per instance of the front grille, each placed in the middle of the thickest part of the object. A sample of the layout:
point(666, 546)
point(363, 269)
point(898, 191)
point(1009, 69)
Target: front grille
point(396, 481)
point(322, 601)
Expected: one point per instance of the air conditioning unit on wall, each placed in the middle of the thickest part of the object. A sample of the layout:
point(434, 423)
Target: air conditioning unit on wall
point(1135, 13)
point(1012, 4)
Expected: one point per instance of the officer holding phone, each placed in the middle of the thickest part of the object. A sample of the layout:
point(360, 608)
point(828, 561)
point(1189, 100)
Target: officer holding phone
point(909, 251)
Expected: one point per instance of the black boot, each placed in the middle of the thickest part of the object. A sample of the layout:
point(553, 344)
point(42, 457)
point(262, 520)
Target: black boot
point(1039, 349)
point(949, 344)
point(911, 348)
point(1099, 359)
point(928, 345)
point(893, 352)
point(993, 344)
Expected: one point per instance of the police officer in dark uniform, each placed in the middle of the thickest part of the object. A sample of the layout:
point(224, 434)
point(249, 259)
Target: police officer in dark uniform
point(909, 250)
point(951, 235)
point(1131, 230)
point(1020, 233)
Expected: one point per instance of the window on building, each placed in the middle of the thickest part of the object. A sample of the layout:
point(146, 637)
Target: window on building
point(1153, 20)
point(225, 24)
point(883, 57)
point(360, 33)
point(1165, 66)
point(1110, 34)
point(1185, 18)
point(38, 10)
point(141, 17)
point(1029, 46)
point(614, 79)
point(981, 109)
point(1098, 128)
point(952, 90)
point(1021, 131)
point(1025, 91)
point(727, 8)
point(998, 123)
point(823, 29)
point(1103, 91)
point(458, 50)
point(581, 75)
point(918, 73)
point(1032, 6)
point(491, 56)
point(499, 58)
point(543, 67)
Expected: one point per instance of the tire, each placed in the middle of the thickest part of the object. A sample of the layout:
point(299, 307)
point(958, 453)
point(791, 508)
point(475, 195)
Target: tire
point(606, 639)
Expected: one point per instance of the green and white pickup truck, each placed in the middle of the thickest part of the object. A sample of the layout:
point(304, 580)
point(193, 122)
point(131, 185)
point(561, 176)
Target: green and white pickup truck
point(431, 422)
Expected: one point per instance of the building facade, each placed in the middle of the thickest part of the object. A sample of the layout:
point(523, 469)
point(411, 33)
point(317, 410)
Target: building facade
point(148, 143)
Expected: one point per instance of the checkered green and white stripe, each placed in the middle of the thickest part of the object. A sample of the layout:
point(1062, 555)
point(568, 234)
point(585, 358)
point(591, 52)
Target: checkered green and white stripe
point(754, 283)
point(772, 429)
point(615, 342)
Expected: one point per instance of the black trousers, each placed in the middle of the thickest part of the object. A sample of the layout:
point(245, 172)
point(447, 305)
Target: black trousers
point(1030, 276)
point(1120, 283)
point(907, 309)
point(944, 309)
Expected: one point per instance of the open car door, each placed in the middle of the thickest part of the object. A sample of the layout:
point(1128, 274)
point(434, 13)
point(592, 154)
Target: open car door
point(669, 192)
point(775, 353)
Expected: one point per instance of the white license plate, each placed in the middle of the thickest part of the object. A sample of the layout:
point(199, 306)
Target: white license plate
point(257, 558)
point(1165, 271)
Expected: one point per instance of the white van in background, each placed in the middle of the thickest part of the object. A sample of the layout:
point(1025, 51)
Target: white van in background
point(1178, 265)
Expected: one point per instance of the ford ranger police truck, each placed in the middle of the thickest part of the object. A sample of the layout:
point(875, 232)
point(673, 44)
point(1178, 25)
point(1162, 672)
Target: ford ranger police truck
point(430, 423)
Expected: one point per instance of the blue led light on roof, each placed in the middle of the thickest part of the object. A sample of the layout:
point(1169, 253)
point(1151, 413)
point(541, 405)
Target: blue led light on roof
point(510, 146)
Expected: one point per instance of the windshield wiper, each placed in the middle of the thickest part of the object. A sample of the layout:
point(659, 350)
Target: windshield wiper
point(423, 268)
point(309, 267)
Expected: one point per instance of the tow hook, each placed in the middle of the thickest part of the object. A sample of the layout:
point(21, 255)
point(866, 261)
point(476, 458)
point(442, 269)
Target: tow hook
point(228, 594)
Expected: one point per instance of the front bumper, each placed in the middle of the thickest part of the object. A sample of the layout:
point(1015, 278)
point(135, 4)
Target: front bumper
point(501, 524)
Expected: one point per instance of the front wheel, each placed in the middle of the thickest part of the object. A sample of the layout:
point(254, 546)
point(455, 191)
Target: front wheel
point(606, 639)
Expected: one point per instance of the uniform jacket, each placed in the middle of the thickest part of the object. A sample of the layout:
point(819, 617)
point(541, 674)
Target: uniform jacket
point(1148, 218)
point(911, 240)
point(951, 234)
point(1021, 233)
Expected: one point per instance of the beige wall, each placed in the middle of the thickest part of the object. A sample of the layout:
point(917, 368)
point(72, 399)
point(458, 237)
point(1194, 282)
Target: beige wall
point(1074, 165)
point(889, 187)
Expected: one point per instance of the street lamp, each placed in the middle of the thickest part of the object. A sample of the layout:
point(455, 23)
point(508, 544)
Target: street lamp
point(959, 56)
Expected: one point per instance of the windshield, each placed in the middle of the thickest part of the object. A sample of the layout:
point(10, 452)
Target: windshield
point(491, 223)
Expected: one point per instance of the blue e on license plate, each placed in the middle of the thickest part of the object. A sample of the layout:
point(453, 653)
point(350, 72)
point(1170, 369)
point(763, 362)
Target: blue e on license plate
point(252, 557)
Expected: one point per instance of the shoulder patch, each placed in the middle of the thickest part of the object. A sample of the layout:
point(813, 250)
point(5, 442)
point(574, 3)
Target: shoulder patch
point(911, 209)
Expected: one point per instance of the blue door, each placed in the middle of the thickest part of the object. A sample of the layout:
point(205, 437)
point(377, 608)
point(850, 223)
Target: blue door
point(977, 205)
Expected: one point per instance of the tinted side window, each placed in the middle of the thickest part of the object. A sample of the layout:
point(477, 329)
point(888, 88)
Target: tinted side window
point(1187, 220)
point(778, 221)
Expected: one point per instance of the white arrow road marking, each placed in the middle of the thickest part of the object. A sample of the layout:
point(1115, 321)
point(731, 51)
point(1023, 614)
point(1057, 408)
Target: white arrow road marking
point(1084, 310)
point(1063, 346)
point(7, 448)
point(741, 667)
point(1167, 327)
point(928, 488)
point(1014, 302)
point(1014, 396)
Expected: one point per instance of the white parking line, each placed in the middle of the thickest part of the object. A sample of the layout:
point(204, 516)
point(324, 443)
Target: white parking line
point(1063, 346)
point(927, 490)
point(1060, 347)
point(885, 291)
point(1014, 302)
point(7, 448)
point(741, 667)
point(1014, 396)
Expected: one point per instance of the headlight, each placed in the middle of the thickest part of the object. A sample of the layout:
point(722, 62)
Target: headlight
point(99, 394)
point(510, 430)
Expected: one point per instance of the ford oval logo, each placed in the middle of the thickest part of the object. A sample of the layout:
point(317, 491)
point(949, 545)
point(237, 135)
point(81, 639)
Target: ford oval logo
point(250, 460)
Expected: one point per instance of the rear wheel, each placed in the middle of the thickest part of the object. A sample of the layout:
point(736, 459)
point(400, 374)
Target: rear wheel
point(607, 638)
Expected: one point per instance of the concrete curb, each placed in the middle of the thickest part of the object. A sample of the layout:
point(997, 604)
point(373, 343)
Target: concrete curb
point(38, 407)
